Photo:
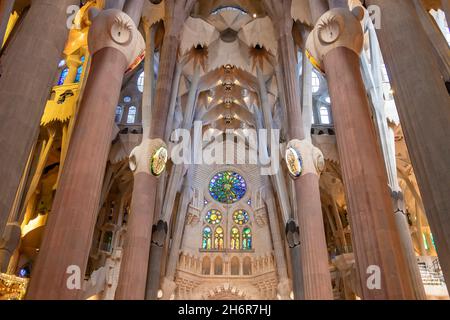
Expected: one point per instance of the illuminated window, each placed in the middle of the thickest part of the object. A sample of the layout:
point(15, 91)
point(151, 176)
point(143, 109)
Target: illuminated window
point(63, 76)
point(119, 113)
point(247, 239)
point(207, 239)
point(227, 187)
point(107, 239)
point(241, 217)
point(315, 83)
point(324, 115)
point(214, 217)
point(425, 242)
point(132, 115)
point(127, 99)
point(80, 71)
point(229, 8)
point(235, 239)
point(218, 239)
point(140, 82)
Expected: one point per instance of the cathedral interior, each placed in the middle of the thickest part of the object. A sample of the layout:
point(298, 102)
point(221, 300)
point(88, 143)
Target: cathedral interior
point(224, 150)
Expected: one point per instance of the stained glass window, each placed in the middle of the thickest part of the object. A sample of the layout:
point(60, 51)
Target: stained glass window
point(63, 76)
point(79, 71)
point(235, 239)
point(132, 115)
point(214, 217)
point(207, 238)
point(247, 239)
point(227, 187)
point(218, 239)
point(241, 217)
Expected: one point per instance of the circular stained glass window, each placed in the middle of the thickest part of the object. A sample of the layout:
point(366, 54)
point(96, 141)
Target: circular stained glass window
point(227, 187)
point(241, 217)
point(214, 217)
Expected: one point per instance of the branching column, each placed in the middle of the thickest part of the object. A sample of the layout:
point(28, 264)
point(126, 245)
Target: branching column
point(313, 247)
point(114, 43)
point(423, 103)
point(380, 262)
point(134, 267)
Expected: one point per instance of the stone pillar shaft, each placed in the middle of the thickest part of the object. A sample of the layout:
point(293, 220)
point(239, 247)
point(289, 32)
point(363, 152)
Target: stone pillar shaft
point(313, 247)
point(375, 240)
point(69, 231)
point(403, 43)
point(28, 70)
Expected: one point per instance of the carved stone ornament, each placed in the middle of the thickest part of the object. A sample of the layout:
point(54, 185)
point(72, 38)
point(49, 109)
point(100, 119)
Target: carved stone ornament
point(115, 29)
point(149, 157)
point(336, 28)
point(302, 157)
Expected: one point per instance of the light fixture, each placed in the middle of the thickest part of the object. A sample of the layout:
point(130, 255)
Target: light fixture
point(255, 15)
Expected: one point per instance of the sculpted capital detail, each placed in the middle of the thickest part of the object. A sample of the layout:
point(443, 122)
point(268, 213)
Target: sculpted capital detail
point(149, 157)
point(115, 29)
point(302, 158)
point(336, 28)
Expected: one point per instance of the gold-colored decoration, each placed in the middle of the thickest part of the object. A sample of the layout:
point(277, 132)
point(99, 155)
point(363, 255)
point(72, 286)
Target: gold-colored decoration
point(159, 161)
point(12, 287)
point(294, 162)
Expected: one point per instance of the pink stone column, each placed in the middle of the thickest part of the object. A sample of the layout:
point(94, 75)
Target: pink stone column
point(27, 72)
point(61, 264)
point(422, 102)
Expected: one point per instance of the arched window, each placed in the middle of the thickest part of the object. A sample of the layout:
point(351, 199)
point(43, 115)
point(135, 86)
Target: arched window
point(218, 266)
point(218, 239)
point(206, 266)
point(235, 239)
point(132, 111)
point(247, 239)
point(235, 266)
point(324, 115)
point(247, 267)
point(63, 76)
point(207, 238)
point(315, 82)
point(140, 82)
point(80, 70)
point(107, 239)
point(119, 113)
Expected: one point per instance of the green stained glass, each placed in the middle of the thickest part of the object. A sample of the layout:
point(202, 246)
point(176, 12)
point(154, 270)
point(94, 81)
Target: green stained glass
point(227, 187)
point(241, 217)
point(207, 238)
point(214, 217)
point(235, 239)
point(247, 239)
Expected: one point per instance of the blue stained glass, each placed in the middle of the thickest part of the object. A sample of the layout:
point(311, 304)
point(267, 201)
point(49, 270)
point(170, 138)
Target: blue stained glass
point(227, 187)
point(63, 76)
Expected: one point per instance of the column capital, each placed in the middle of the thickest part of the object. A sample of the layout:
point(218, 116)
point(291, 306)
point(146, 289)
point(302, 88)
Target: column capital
point(149, 157)
point(336, 28)
point(302, 158)
point(115, 29)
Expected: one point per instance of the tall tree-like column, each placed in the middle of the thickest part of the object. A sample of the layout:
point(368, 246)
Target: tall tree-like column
point(423, 103)
point(380, 262)
point(114, 43)
point(27, 72)
point(148, 156)
point(313, 247)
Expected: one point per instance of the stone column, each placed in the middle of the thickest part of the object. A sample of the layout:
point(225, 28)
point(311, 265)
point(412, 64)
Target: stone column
point(375, 240)
point(168, 284)
point(313, 247)
point(134, 267)
point(68, 238)
point(439, 43)
point(403, 43)
point(284, 286)
point(27, 72)
point(6, 7)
